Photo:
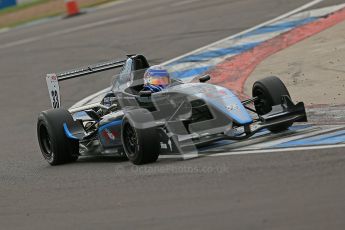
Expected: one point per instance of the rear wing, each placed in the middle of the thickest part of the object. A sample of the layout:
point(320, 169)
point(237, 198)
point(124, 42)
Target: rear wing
point(53, 79)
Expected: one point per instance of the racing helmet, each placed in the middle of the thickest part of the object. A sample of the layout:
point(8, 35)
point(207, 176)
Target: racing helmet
point(157, 75)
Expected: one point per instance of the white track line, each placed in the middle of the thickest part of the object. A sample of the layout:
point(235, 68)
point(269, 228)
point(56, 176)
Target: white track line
point(184, 3)
point(302, 148)
point(63, 32)
point(326, 10)
point(313, 13)
point(111, 4)
point(287, 139)
point(258, 151)
point(310, 4)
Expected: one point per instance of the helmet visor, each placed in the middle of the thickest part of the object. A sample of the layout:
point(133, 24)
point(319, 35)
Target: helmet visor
point(159, 80)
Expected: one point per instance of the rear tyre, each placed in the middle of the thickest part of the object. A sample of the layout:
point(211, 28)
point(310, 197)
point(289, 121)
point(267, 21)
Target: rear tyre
point(141, 145)
point(270, 91)
point(55, 146)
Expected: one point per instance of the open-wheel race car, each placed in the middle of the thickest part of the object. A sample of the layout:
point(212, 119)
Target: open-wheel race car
point(139, 124)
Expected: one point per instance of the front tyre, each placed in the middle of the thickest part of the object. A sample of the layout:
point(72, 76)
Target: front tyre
point(269, 92)
point(141, 145)
point(55, 146)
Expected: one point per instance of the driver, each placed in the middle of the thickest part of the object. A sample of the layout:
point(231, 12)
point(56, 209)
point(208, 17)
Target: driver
point(156, 78)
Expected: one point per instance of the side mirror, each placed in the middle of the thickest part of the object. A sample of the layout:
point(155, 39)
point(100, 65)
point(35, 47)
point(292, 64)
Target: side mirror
point(145, 93)
point(204, 78)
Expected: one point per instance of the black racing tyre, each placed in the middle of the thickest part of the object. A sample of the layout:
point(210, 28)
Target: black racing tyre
point(55, 146)
point(270, 91)
point(141, 145)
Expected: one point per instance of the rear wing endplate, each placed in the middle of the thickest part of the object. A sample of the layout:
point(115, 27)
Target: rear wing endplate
point(53, 79)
